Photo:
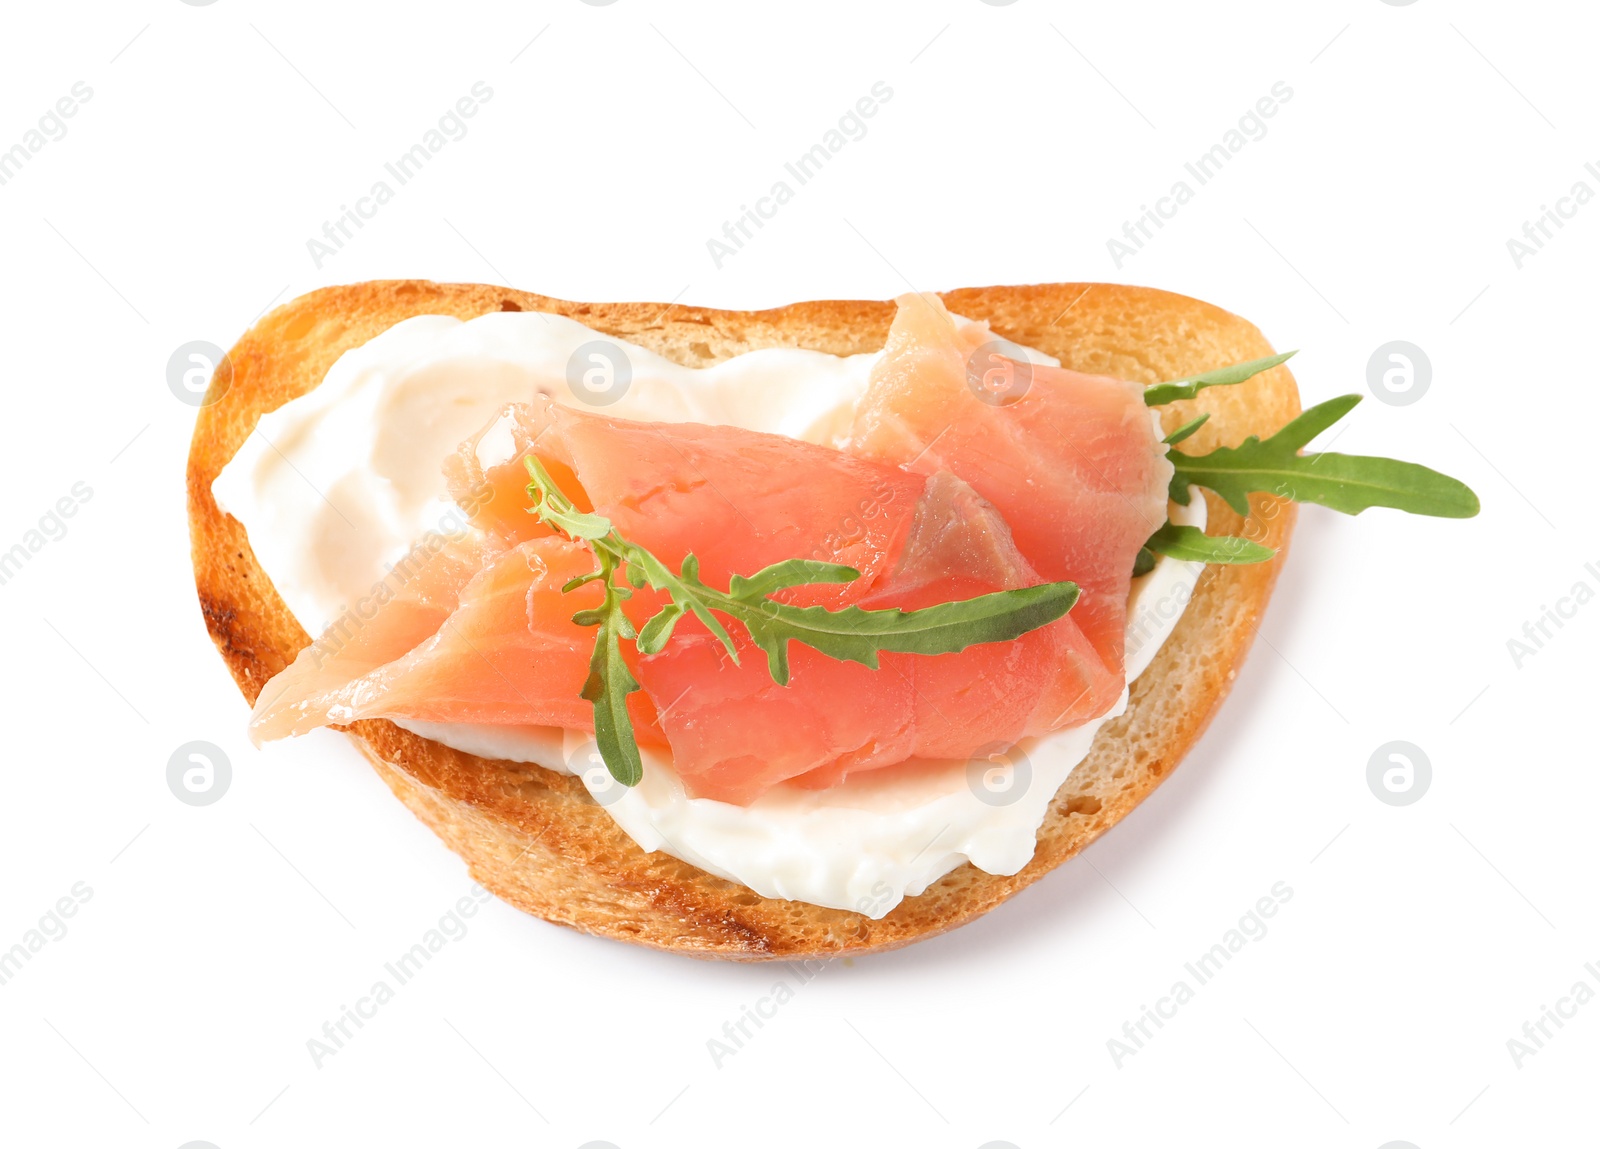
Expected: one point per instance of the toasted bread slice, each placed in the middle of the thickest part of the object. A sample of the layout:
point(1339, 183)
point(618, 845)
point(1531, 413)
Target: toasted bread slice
point(536, 838)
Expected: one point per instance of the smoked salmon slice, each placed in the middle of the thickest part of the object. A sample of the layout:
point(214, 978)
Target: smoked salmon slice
point(940, 494)
point(740, 501)
point(1072, 462)
point(741, 732)
point(479, 633)
point(406, 609)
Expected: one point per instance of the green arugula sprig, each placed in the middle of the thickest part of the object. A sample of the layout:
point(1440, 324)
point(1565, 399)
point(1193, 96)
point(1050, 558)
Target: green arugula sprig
point(848, 634)
point(1347, 483)
point(1159, 393)
point(1191, 544)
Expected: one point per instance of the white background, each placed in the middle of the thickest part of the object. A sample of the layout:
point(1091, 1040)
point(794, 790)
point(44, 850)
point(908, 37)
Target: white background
point(1018, 140)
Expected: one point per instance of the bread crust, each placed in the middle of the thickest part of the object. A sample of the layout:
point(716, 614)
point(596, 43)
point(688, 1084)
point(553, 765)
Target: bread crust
point(536, 838)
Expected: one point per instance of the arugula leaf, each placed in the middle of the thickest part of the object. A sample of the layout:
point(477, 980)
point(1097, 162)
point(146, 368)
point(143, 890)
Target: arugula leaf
point(789, 573)
point(1186, 430)
point(657, 630)
point(1159, 393)
point(1144, 562)
point(1193, 545)
point(558, 510)
point(610, 682)
point(690, 594)
point(688, 597)
point(1347, 483)
point(850, 634)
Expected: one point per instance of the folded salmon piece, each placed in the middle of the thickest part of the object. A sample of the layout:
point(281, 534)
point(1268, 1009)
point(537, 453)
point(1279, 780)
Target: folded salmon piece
point(1063, 484)
point(983, 698)
point(1072, 462)
point(740, 501)
point(497, 643)
point(406, 609)
point(475, 631)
